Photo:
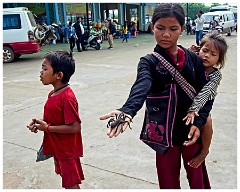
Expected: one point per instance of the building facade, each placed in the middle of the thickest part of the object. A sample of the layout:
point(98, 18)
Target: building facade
point(141, 13)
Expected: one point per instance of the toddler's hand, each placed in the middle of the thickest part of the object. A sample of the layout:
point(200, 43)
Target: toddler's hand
point(195, 48)
point(193, 135)
point(190, 117)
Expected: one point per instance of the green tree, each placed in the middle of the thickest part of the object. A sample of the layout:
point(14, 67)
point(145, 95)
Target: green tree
point(215, 4)
point(193, 9)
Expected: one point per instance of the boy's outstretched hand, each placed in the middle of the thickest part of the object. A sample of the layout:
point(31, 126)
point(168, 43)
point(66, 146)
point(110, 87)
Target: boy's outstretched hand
point(114, 129)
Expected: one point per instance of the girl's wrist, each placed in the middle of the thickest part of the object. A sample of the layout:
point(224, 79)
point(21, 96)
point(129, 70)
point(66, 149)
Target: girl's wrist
point(47, 128)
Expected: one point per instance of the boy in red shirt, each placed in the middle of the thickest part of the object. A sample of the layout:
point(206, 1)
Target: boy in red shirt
point(61, 122)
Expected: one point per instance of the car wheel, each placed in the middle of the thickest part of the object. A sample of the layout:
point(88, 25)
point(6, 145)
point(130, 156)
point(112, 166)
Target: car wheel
point(8, 55)
point(229, 31)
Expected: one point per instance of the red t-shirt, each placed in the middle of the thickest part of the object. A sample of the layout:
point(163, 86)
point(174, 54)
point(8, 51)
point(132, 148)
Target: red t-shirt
point(62, 109)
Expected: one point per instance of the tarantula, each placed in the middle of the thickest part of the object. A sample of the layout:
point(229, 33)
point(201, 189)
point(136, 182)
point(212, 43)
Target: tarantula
point(119, 120)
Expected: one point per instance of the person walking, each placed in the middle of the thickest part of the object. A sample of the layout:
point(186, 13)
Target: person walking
point(199, 27)
point(167, 102)
point(60, 32)
point(134, 29)
point(61, 123)
point(71, 35)
point(125, 32)
point(188, 26)
point(79, 31)
point(111, 32)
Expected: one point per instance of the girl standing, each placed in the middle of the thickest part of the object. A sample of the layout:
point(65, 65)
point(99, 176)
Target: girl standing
point(153, 80)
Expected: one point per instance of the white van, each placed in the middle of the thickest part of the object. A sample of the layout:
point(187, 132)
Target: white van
point(226, 22)
point(18, 39)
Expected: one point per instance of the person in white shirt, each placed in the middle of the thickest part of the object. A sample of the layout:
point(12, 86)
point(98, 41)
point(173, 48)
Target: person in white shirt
point(199, 27)
point(79, 31)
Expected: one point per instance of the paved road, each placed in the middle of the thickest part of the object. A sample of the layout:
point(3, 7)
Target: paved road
point(102, 82)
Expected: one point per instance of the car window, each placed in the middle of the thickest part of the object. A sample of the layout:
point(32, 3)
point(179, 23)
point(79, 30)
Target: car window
point(225, 17)
point(31, 18)
point(11, 22)
point(230, 16)
point(208, 18)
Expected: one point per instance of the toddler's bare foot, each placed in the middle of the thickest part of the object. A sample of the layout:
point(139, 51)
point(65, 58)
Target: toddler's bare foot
point(196, 161)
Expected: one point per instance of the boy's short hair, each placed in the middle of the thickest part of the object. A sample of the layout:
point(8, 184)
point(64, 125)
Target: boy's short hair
point(62, 61)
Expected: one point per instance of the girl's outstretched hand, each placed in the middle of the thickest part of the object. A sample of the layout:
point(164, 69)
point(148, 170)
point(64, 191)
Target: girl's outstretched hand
point(118, 122)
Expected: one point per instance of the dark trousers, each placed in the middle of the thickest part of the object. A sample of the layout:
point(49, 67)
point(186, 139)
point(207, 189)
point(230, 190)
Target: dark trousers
point(72, 42)
point(61, 37)
point(125, 36)
point(169, 164)
point(80, 41)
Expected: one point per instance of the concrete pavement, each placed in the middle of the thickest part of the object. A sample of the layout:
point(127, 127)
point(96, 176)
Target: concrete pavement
point(101, 83)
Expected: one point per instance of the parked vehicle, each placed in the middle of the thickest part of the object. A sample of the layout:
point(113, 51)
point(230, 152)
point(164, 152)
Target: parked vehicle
point(91, 39)
point(45, 33)
point(226, 8)
point(193, 30)
point(226, 21)
point(18, 38)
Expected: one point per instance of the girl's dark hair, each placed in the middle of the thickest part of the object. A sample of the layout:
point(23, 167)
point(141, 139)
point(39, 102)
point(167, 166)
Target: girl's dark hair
point(220, 44)
point(164, 10)
point(62, 61)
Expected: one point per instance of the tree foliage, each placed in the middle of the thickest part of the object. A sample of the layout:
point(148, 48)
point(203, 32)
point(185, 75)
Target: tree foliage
point(193, 9)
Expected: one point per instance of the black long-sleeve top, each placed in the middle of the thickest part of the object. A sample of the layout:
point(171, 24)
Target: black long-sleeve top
point(152, 81)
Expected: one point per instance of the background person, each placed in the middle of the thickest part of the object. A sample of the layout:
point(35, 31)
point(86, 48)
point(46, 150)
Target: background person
point(134, 29)
point(125, 32)
point(199, 27)
point(111, 32)
point(60, 32)
point(79, 32)
point(71, 35)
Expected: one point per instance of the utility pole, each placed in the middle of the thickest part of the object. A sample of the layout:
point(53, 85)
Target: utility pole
point(88, 27)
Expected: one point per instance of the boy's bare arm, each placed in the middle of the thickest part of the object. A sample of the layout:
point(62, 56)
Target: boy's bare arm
point(70, 128)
